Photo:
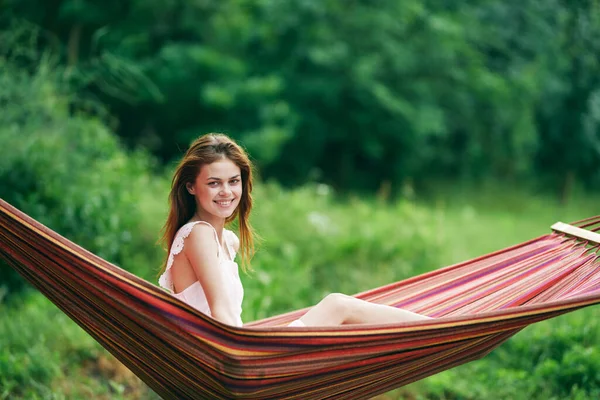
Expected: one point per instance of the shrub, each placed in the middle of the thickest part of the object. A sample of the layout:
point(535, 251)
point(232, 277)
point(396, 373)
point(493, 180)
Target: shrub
point(67, 170)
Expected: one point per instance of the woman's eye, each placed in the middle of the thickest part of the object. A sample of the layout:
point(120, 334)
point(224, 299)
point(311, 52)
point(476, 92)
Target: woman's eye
point(215, 183)
point(234, 181)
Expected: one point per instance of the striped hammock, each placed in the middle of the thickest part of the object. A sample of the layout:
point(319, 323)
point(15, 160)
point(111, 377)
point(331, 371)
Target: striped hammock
point(183, 354)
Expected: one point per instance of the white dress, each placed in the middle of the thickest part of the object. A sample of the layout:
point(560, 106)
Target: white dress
point(194, 294)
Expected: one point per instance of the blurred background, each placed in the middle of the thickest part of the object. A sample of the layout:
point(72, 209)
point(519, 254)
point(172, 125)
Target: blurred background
point(390, 138)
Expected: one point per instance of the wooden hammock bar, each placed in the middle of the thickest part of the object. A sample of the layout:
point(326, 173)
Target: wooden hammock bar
point(582, 234)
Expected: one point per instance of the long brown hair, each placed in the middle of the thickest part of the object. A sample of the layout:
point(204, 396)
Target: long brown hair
point(182, 205)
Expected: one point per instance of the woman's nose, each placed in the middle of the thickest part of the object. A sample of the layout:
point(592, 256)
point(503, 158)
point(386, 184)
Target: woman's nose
point(225, 189)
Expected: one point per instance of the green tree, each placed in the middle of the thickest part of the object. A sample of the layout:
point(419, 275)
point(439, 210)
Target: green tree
point(358, 94)
point(569, 116)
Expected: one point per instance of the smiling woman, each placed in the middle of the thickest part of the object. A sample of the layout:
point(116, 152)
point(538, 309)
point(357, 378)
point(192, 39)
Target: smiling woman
point(212, 186)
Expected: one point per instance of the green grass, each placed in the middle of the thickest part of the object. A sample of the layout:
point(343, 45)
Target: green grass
point(314, 243)
point(45, 355)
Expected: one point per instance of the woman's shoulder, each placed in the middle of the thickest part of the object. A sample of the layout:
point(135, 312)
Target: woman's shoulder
point(201, 230)
point(197, 229)
point(194, 226)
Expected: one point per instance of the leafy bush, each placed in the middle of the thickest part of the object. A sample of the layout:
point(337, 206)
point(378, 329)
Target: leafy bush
point(44, 355)
point(67, 170)
point(37, 342)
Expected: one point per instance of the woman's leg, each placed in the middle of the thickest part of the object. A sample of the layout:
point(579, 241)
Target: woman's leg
point(340, 309)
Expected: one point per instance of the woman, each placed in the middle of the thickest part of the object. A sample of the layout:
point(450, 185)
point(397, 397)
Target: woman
point(212, 186)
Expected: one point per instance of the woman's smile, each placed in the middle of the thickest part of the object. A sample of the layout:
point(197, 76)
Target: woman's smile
point(224, 203)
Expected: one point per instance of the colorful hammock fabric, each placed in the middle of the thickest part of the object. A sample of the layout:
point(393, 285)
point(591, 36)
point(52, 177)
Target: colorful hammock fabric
point(183, 354)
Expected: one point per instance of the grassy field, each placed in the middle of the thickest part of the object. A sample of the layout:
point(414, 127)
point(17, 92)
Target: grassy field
point(314, 243)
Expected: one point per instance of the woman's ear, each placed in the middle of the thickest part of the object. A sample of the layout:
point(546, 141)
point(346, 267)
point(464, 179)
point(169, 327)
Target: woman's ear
point(190, 188)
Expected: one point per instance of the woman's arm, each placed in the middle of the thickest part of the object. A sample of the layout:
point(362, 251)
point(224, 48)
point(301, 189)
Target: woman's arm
point(201, 250)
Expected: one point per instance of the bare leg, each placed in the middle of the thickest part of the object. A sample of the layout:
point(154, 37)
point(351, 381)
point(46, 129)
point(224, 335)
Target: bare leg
point(340, 309)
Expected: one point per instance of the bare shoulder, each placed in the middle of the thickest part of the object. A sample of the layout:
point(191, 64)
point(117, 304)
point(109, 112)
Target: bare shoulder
point(201, 238)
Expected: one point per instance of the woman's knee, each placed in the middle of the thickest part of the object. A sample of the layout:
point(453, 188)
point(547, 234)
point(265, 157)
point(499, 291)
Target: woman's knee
point(337, 303)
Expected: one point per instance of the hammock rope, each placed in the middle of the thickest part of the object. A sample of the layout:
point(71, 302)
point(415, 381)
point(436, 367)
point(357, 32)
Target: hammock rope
point(183, 354)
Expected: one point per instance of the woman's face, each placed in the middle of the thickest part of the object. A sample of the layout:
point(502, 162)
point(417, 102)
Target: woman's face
point(217, 189)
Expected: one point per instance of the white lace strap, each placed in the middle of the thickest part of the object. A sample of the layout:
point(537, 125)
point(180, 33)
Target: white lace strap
point(165, 280)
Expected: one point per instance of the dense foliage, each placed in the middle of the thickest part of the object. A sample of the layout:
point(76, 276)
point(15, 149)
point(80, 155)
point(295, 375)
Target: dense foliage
point(357, 94)
point(69, 171)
